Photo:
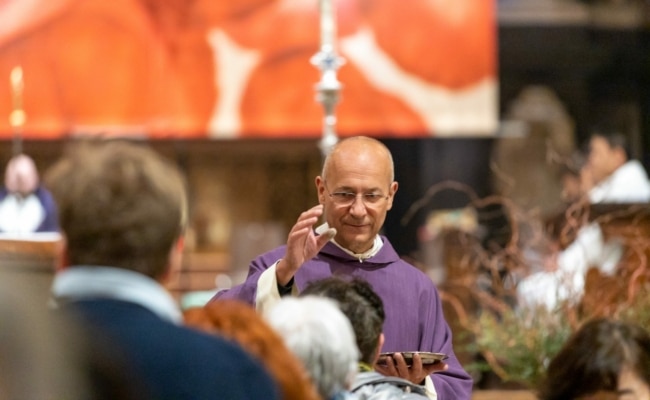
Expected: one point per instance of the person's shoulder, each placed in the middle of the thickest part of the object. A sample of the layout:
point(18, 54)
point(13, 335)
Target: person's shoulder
point(630, 172)
point(375, 386)
point(42, 192)
point(174, 357)
point(226, 361)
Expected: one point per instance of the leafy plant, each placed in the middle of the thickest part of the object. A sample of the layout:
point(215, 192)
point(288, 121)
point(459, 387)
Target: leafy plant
point(517, 345)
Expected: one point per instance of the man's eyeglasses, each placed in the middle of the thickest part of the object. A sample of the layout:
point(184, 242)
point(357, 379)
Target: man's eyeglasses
point(346, 199)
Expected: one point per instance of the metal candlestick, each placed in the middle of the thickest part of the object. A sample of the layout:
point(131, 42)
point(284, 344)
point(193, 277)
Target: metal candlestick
point(328, 88)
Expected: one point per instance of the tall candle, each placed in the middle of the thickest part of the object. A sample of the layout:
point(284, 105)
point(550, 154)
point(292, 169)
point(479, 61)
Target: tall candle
point(327, 24)
point(17, 116)
point(16, 78)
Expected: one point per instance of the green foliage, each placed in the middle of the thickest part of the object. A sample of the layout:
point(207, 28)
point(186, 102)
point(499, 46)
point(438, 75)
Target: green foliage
point(518, 345)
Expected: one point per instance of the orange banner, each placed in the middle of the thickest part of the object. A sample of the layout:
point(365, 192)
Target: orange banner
point(234, 69)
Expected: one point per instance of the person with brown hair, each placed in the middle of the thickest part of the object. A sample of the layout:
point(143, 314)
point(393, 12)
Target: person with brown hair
point(240, 322)
point(604, 359)
point(123, 211)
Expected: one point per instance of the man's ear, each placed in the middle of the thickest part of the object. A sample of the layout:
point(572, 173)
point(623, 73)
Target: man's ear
point(380, 344)
point(393, 190)
point(61, 259)
point(621, 156)
point(320, 189)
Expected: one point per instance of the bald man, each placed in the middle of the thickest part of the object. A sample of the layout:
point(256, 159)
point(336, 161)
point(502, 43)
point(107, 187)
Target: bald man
point(355, 191)
point(25, 206)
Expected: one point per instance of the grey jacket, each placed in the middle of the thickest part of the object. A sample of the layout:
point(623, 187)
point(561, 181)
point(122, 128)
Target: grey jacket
point(375, 386)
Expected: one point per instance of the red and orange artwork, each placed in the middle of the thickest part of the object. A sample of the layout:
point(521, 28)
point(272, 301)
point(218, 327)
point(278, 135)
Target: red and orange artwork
point(237, 69)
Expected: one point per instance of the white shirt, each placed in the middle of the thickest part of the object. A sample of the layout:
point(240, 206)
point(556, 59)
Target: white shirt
point(628, 184)
point(21, 215)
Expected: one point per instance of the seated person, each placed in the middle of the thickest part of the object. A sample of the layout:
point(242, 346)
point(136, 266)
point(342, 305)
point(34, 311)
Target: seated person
point(25, 205)
point(365, 310)
point(240, 322)
point(316, 330)
point(604, 359)
point(123, 213)
point(616, 179)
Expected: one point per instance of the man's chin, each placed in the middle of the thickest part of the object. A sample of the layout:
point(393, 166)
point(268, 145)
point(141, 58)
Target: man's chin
point(356, 243)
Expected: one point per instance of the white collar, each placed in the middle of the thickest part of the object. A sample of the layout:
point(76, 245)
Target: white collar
point(376, 246)
point(85, 282)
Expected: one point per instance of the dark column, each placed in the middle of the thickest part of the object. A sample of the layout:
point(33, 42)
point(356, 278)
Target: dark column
point(423, 163)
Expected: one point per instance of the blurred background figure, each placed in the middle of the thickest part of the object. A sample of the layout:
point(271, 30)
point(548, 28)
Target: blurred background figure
point(604, 359)
point(240, 322)
point(609, 176)
point(316, 330)
point(617, 177)
point(25, 205)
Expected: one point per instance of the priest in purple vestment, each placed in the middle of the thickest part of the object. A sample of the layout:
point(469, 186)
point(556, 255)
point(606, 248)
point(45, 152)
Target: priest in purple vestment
point(355, 191)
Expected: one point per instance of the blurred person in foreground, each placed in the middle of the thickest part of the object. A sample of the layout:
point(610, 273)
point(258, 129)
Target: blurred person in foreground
point(122, 211)
point(39, 358)
point(240, 322)
point(355, 191)
point(365, 311)
point(609, 176)
point(25, 205)
point(320, 335)
point(604, 359)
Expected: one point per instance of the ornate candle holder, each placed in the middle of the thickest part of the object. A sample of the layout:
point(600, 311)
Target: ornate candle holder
point(328, 88)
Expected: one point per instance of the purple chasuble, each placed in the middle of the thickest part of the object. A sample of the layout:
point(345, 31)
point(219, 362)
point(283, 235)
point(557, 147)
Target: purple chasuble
point(414, 317)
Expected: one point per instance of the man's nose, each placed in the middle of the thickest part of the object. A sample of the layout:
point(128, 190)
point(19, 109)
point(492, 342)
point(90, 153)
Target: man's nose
point(358, 208)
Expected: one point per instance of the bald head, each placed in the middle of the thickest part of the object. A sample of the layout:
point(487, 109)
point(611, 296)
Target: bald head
point(360, 147)
point(21, 175)
point(361, 168)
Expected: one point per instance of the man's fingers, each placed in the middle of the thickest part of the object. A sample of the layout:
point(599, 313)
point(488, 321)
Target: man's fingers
point(402, 367)
point(416, 366)
point(304, 223)
point(325, 237)
point(388, 367)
